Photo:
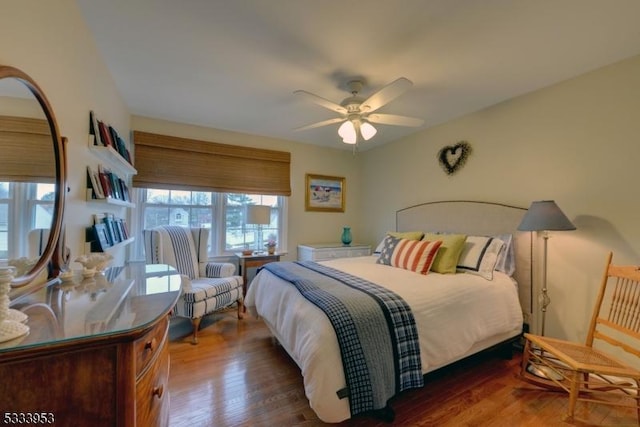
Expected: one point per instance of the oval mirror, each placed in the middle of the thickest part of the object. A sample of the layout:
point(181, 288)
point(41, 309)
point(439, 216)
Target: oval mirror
point(32, 178)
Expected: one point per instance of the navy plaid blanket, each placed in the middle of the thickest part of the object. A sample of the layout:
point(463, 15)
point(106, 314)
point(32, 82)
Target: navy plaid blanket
point(375, 330)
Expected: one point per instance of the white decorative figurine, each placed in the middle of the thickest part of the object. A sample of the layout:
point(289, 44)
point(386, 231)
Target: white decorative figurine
point(11, 321)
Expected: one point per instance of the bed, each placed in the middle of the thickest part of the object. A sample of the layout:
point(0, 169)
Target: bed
point(455, 315)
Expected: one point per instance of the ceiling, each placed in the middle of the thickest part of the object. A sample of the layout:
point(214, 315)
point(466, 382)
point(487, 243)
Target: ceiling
point(234, 65)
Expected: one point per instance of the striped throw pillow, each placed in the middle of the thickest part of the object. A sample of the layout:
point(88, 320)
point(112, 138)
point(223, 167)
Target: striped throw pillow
point(408, 254)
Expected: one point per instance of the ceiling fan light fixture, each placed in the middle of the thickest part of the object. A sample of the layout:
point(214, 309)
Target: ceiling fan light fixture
point(347, 131)
point(357, 114)
point(367, 130)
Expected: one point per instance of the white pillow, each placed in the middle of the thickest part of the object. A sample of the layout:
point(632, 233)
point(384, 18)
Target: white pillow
point(480, 255)
point(507, 258)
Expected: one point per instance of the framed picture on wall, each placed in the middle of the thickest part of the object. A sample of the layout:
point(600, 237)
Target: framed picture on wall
point(324, 193)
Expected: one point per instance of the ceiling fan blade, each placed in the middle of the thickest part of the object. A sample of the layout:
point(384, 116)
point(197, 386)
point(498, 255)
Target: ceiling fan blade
point(394, 119)
point(386, 94)
point(322, 101)
point(323, 123)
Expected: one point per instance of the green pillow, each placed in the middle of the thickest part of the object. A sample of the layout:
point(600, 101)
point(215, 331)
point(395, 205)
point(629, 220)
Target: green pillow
point(449, 253)
point(409, 235)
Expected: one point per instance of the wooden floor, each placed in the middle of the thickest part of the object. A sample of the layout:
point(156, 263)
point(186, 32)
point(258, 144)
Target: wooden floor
point(237, 376)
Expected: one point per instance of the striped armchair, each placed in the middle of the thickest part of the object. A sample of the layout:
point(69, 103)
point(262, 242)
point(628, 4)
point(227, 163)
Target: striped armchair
point(206, 286)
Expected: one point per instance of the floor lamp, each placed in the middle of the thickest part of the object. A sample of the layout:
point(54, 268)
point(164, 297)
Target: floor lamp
point(258, 215)
point(545, 216)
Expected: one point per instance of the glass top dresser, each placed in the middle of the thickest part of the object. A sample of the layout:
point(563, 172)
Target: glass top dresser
point(96, 352)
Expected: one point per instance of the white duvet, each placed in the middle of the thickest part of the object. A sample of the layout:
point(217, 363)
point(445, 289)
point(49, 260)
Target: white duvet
point(453, 314)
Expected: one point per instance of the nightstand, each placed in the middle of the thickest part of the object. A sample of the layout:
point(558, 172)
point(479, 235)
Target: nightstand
point(246, 262)
point(327, 251)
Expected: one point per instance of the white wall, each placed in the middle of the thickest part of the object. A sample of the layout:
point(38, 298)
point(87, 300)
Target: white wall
point(577, 142)
point(50, 41)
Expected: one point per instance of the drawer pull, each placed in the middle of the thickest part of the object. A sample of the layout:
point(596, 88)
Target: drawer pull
point(157, 391)
point(151, 345)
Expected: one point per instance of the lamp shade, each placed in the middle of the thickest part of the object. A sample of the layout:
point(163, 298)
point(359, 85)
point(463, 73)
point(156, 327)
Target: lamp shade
point(258, 214)
point(348, 132)
point(545, 215)
point(367, 130)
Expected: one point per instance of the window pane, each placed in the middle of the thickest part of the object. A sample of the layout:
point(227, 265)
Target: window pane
point(240, 235)
point(157, 196)
point(179, 216)
point(43, 216)
point(46, 192)
point(180, 197)
point(269, 200)
point(155, 216)
point(201, 198)
point(4, 231)
point(200, 217)
point(241, 199)
point(4, 190)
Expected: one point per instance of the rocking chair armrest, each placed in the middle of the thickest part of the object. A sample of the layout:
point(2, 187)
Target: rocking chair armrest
point(218, 269)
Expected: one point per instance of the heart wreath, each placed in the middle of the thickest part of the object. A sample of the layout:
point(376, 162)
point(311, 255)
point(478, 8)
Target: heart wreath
point(452, 158)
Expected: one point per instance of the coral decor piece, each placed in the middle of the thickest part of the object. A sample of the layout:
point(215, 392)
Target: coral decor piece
point(22, 265)
point(11, 326)
point(95, 261)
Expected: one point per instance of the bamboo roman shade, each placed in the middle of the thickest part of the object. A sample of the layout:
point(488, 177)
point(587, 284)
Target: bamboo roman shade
point(27, 150)
point(171, 162)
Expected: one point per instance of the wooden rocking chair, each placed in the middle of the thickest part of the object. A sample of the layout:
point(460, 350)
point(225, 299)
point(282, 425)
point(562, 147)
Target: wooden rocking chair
point(587, 373)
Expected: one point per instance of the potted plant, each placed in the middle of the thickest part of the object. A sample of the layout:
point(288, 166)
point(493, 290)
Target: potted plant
point(271, 244)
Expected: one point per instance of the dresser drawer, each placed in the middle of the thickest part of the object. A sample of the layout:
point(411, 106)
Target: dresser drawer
point(146, 347)
point(359, 252)
point(152, 391)
point(327, 252)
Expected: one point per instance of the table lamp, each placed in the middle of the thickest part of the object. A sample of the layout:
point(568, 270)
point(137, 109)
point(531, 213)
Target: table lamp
point(258, 215)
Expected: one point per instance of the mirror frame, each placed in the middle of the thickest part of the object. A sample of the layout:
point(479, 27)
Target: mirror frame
point(52, 255)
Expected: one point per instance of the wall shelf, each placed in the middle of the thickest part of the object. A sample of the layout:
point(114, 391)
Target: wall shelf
point(113, 159)
point(120, 245)
point(116, 173)
point(112, 201)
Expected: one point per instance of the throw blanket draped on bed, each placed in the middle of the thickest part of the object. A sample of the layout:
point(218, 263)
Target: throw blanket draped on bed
point(375, 329)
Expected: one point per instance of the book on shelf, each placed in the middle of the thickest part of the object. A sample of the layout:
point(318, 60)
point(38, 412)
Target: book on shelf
point(119, 145)
point(93, 182)
point(98, 218)
point(111, 231)
point(99, 238)
point(125, 228)
point(94, 129)
point(115, 185)
point(105, 181)
point(124, 189)
point(123, 150)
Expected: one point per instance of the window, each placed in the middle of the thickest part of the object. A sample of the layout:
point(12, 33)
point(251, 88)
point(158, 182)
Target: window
point(238, 234)
point(223, 213)
point(23, 207)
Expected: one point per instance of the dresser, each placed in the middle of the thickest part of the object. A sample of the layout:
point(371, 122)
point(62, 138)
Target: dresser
point(327, 251)
point(97, 351)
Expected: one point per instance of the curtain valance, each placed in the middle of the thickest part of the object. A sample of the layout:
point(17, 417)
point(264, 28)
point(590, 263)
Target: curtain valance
point(171, 162)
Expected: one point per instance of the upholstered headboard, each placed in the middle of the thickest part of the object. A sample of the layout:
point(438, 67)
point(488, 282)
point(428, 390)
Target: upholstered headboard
point(477, 218)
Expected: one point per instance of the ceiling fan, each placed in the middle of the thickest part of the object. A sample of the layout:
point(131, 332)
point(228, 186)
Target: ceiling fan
point(357, 113)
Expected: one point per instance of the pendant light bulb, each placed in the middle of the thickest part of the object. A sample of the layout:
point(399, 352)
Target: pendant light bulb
point(367, 130)
point(348, 132)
